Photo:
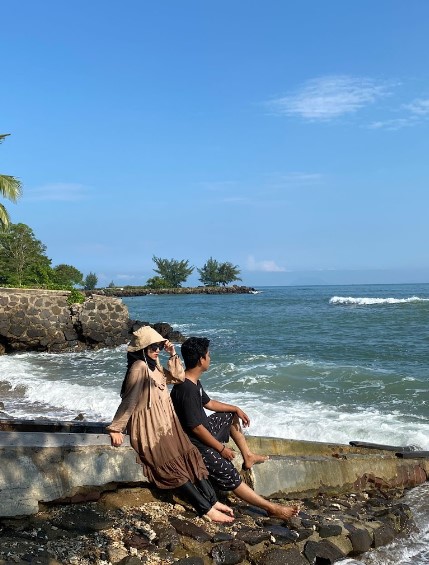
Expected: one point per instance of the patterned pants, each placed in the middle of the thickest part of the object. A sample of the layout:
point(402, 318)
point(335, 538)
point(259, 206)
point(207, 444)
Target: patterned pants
point(222, 472)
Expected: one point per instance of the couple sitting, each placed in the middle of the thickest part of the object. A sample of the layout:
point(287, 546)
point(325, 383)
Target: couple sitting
point(171, 458)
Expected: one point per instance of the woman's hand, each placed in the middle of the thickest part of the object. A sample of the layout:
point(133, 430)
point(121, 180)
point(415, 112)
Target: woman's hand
point(116, 438)
point(169, 348)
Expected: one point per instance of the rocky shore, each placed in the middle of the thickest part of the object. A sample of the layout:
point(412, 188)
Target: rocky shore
point(120, 292)
point(142, 525)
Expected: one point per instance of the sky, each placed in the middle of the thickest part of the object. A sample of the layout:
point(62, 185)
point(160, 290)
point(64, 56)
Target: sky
point(289, 138)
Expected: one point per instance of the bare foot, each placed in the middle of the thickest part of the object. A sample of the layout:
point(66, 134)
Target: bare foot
point(223, 508)
point(252, 458)
point(219, 517)
point(283, 512)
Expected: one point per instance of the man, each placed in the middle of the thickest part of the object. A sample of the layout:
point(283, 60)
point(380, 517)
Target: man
point(210, 433)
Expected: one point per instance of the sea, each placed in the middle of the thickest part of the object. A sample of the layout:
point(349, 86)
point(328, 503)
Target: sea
point(323, 363)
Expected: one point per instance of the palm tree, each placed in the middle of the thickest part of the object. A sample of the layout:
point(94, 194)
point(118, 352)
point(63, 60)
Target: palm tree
point(10, 188)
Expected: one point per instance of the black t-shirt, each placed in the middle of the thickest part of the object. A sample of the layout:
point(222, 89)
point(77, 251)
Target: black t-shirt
point(188, 400)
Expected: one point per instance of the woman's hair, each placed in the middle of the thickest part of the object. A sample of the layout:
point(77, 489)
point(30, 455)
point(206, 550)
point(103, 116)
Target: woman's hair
point(193, 349)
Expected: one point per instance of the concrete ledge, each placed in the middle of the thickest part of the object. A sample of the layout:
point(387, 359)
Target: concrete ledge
point(37, 467)
point(45, 467)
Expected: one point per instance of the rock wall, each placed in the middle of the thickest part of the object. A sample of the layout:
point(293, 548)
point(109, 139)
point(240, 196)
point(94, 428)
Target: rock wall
point(42, 320)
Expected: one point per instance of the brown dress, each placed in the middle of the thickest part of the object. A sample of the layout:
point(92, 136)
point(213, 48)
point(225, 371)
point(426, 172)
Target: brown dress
point(168, 457)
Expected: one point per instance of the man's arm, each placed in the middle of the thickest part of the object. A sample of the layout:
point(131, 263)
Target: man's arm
point(217, 406)
point(202, 433)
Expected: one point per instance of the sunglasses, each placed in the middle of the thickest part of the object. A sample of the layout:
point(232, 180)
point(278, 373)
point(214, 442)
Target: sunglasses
point(155, 346)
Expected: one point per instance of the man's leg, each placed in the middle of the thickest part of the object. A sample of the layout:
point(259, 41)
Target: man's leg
point(244, 492)
point(249, 458)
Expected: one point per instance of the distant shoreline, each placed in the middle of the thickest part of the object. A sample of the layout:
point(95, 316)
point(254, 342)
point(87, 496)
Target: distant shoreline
point(142, 291)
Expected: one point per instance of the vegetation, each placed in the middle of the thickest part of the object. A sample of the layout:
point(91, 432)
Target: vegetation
point(23, 260)
point(10, 188)
point(171, 271)
point(214, 273)
point(66, 275)
point(75, 297)
point(156, 283)
point(90, 281)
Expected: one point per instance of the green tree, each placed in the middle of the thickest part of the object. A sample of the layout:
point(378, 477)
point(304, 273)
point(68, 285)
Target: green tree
point(172, 271)
point(22, 257)
point(90, 281)
point(10, 188)
point(214, 273)
point(67, 275)
point(156, 283)
point(209, 273)
point(228, 273)
point(111, 285)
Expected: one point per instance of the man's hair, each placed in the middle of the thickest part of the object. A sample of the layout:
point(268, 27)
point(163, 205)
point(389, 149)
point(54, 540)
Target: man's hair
point(193, 349)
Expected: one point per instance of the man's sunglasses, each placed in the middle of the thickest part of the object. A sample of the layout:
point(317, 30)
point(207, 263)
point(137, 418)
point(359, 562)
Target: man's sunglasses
point(155, 346)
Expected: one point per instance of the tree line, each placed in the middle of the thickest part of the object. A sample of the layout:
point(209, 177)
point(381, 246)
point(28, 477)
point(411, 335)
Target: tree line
point(23, 262)
point(23, 259)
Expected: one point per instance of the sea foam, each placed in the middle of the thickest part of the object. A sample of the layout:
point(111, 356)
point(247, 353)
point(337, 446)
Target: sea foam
point(368, 301)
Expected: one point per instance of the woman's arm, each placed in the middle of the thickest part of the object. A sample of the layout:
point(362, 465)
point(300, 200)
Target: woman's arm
point(174, 373)
point(130, 398)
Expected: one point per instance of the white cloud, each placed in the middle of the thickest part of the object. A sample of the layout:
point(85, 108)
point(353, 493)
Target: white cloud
point(61, 191)
point(418, 107)
point(393, 125)
point(329, 97)
point(267, 266)
point(125, 277)
point(297, 179)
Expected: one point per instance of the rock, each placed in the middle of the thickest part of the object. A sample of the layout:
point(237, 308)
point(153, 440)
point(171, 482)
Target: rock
point(282, 557)
point(187, 528)
point(116, 554)
point(315, 552)
point(328, 530)
point(229, 553)
point(83, 520)
point(190, 561)
point(383, 535)
point(253, 537)
point(360, 539)
point(282, 534)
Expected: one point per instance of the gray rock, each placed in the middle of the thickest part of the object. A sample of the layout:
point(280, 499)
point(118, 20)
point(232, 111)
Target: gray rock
point(187, 528)
point(229, 553)
point(316, 551)
point(282, 557)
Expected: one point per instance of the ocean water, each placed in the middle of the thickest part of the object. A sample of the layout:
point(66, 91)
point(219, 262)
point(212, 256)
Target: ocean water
point(324, 363)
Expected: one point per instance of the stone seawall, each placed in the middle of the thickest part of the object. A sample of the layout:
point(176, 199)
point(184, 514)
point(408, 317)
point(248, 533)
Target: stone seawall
point(42, 320)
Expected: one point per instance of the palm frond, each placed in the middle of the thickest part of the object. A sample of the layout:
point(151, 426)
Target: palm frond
point(4, 217)
point(2, 136)
point(10, 187)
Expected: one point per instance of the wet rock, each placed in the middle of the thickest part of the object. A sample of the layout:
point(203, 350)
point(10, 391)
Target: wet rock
point(316, 551)
point(187, 528)
point(282, 534)
point(328, 530)
point(253, 537)
point(229, 553)
point(138, 541)
point(282, 557)
point(83, 520)
point(166, 537)
point(222, 536)
point(383, 535)
point(360, 539)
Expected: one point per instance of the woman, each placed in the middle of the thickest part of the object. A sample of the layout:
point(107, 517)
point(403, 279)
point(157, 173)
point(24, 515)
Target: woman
point(168, 457)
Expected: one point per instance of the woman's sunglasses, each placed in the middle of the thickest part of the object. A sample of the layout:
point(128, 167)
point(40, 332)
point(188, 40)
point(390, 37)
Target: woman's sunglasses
point(155, 346)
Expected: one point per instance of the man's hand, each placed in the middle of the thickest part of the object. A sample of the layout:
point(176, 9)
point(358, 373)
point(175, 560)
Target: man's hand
point(228, 453)
point(243, 417)
point(116, 438)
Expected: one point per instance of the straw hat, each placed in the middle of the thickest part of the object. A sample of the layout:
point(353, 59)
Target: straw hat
point(143, 337)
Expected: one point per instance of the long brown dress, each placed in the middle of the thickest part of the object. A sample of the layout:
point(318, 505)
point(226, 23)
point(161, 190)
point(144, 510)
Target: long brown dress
point(168, 457)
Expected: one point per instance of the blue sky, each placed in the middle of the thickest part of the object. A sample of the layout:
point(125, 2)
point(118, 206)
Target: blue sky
point(289, 138)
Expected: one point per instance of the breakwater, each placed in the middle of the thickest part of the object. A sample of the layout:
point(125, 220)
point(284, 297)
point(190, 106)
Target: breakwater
point(142, 291)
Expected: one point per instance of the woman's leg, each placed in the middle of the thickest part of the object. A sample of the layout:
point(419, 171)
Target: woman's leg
point(202, 504)
point(208, 491)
